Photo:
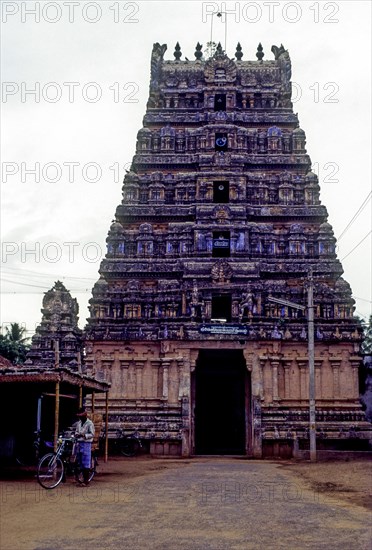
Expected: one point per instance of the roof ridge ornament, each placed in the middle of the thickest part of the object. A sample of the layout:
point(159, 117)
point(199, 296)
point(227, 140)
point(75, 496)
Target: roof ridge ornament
point(198, 52)
point(220, 52)
point(177, 52)
point(238, 54)
point(260, 53)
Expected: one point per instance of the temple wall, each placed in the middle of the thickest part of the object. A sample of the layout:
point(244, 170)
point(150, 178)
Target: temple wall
point(152, 389)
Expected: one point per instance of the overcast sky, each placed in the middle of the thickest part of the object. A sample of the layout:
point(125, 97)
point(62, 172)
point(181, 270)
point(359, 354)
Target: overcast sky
point(91, 63)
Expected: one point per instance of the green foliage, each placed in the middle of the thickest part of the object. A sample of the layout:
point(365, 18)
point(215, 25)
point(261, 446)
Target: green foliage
point(13, 345)
point(367, 342)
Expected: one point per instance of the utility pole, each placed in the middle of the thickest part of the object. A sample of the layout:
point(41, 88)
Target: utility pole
point(310, 320)
point(310, 331)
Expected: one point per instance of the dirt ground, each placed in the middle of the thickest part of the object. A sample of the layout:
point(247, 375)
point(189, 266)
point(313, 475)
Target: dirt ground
point(193, 504)
point(350, 481)
point(346, 480)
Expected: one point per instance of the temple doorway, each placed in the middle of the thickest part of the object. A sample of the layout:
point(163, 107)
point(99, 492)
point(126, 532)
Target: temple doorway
point(221, 399)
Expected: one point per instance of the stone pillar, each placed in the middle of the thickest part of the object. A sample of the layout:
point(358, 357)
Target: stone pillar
point(186, 404)
point(106, 367)
point(335, 363)
point(155, 375)
point(318, 378)
point(185, 434)
point(182, 385)
point(124, 365)
point(165, 367)
point(260, 367)
point(139, 378)
point(255, 365)
point(303, 366)
point(287, 376)
point(275, 361)
point(132, 380)
point(355, 363)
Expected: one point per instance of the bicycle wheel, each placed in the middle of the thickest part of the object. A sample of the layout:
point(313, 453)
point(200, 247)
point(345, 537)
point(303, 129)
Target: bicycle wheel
point(92, 471)
point(50, 471)
point(129, 447)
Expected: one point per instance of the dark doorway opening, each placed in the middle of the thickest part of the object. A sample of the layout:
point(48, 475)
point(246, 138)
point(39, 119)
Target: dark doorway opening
point(221, 308)
point(221, 402)
point(220, 102)
point(221, 191)
point(221, 244)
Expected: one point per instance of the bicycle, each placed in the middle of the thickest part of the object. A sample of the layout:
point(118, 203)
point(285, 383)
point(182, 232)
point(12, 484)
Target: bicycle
point(30, 455)
point(128, 444)
point(53, 467)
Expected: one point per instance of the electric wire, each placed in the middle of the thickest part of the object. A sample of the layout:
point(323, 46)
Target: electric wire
point(359, 211)
point(23, 284)
point(363, 299)
point(28, 272)
point(356, 246)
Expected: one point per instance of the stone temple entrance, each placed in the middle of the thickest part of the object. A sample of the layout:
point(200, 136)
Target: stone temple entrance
point(221, 402)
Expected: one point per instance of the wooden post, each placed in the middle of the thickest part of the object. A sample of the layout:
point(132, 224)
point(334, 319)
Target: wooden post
point(79, 362)
point(93, 401)
point(56, 418)
point(56, 354)
point(80, 396)
point(106, 428)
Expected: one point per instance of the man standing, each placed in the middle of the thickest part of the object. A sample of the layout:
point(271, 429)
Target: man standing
point(84, 433)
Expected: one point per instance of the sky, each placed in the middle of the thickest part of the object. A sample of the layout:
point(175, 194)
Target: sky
point(75, 82)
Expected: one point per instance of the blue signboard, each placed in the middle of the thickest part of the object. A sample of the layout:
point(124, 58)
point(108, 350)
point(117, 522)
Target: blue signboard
point(234, 330)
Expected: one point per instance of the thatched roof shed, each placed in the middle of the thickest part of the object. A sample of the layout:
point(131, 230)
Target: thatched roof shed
point(36, 398)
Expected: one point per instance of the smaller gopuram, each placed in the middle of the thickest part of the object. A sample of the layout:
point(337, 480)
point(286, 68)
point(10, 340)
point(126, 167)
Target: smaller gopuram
point(58, 341)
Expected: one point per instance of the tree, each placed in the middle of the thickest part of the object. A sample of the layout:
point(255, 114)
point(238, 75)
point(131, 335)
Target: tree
point(367, 342)
point(13, 345)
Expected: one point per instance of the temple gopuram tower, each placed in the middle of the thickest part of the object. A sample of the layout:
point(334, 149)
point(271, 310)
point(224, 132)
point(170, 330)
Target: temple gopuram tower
point(220, 215)
point(58, 341)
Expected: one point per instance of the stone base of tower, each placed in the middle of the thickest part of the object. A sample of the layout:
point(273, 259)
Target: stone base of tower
point(230, 398)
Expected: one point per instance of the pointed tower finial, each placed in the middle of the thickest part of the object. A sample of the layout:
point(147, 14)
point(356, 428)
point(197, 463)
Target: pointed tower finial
point(259, 53)
point(198, 52)
point(238, 53)
point(177, 52)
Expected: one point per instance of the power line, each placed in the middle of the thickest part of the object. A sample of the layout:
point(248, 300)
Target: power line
point(361, 314)
point(49, 275)
point(23, 284)
point(38, 286)
point(356, 246)
point(363, 299)
point(74, 290)
point(362, 206)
